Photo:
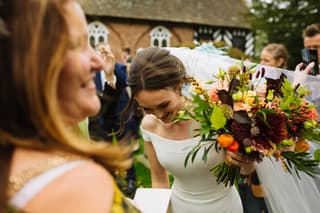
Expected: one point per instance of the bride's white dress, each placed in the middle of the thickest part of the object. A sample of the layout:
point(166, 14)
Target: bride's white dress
point(195, 188)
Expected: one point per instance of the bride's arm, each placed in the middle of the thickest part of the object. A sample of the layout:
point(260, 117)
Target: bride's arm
point(159, 175)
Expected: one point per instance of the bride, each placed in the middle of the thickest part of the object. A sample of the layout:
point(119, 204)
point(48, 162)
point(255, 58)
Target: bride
point(285, 192)
point(156, 79)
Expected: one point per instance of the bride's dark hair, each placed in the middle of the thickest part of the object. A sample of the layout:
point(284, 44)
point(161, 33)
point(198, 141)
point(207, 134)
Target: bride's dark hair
point(153, 68)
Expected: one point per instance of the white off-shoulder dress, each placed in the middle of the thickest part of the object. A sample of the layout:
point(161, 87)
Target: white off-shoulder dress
point(195, 188)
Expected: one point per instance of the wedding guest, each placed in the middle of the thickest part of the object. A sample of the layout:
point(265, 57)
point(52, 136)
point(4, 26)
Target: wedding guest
point(114, 98)
point(275, 55)
point(47, 70)
point(156, 78)
point(126, 57)
point(311, 37)
point(311, 40)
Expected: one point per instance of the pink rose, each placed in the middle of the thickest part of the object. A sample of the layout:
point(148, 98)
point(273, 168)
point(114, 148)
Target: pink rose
point(237, 106)
point(213, 95)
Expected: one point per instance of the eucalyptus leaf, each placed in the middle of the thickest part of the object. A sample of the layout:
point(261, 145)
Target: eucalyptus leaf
point(316, 155)
point(195, 154)
point(205, 153)
point(217, 119)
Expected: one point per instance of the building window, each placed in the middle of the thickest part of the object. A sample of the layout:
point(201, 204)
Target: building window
point(98, 33)
point(242, 39)
point(204, 34)
point(160, 37)
point(239, 39)
point(239, 42)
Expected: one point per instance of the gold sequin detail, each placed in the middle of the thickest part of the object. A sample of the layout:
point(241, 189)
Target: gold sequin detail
point(18, 181)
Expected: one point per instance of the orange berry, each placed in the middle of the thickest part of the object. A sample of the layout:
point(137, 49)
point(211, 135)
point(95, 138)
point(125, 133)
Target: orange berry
point(233, 147)
point(225, 140)
point(301, 146)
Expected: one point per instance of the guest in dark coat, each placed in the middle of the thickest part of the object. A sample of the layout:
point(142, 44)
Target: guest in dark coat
point(114, 97)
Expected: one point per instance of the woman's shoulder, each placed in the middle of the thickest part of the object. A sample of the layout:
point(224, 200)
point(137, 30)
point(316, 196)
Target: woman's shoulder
point(88, 187)
point(149, 123)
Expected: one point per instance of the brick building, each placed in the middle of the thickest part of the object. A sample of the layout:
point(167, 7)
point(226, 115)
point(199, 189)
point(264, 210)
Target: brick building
point(143, 23)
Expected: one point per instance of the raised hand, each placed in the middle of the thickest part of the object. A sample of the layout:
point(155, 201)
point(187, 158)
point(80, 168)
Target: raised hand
point(108, 57)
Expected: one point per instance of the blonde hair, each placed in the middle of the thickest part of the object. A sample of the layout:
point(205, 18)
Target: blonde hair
point(278, 51)
point(31, 61)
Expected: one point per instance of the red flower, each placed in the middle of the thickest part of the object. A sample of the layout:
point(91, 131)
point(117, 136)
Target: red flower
point(240, 131)
point(274, 127)
point(233, 147)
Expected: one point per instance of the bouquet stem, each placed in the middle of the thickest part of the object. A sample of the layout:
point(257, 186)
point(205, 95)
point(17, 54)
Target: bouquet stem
point(226, 174)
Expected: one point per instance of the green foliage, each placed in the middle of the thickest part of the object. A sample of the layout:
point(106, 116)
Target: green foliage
point(217, 118)
point(201, 112)
point(229, 175)
point(11, 209)
point(290, 98)
point(283, 21)
point(316, 155)
point(312, 134)
point(301, 161)
point(143, 175)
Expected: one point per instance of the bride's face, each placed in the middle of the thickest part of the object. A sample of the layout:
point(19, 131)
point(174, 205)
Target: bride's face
point(163, 103)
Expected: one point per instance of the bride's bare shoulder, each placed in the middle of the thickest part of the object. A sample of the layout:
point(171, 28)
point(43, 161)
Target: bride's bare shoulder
point(149, 122)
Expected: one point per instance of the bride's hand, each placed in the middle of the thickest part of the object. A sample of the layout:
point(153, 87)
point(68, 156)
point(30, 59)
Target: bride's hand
point(246, 165)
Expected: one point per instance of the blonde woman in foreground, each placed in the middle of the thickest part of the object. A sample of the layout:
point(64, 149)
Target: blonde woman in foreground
point(47, 70)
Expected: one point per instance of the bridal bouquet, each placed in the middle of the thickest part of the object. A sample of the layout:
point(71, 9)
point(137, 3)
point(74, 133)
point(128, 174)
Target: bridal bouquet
point(256, 116)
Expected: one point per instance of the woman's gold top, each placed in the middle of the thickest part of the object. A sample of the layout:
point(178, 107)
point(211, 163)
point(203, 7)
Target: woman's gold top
point(121, 204)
